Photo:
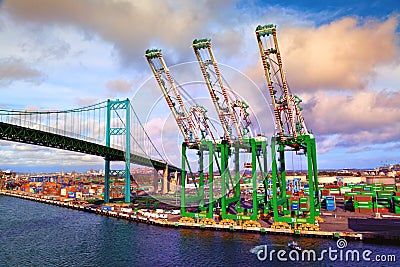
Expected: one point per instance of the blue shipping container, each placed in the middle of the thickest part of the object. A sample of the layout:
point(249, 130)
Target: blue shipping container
point(295, 206)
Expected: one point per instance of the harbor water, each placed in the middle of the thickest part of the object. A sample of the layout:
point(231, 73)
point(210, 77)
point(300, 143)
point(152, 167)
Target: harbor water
point(37, 234)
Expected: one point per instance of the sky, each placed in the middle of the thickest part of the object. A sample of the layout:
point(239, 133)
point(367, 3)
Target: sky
point(341, 57)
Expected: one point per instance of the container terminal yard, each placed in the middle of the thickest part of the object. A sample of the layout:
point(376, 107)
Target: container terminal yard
point(229, 185)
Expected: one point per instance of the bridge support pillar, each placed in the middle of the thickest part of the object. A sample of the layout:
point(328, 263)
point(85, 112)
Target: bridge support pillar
point(165, 181)
point(174, 186)
point(107, 181)
point(115, 105)
point(155, 180)
point(127, 152)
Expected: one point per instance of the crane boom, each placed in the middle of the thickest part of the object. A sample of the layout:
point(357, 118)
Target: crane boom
point(288, 117)
point(172, 96)
point(225, 109)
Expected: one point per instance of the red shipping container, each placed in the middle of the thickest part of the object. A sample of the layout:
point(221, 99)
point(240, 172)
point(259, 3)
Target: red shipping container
point(381, 210)
point(347, 197)
point(331, 186)
point(357, 189)
point(363, 198)
point(325, 192)
point(361, 210)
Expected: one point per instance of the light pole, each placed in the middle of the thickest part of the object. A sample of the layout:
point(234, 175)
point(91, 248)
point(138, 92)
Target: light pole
point(377, 214)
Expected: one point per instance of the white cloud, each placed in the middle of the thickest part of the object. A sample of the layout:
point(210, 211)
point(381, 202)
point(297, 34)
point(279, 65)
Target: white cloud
point(342, 55)
point(119, 86)
point(12, 69)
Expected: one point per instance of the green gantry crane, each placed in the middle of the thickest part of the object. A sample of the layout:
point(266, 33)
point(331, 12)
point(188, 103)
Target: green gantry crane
point(292, 134)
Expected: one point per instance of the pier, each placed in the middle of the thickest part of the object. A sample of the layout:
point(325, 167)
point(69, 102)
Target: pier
point(216, 227)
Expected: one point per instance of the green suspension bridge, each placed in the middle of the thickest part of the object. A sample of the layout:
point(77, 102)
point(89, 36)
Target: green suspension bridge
point(110, 129)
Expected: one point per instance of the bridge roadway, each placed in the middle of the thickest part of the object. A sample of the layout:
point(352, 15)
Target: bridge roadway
point(11, 132)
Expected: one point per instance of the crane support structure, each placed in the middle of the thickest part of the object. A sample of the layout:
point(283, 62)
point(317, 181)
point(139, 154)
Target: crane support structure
point(199, 135)
point(292, 134)
point(233, 126)
point(172, 96)
point(237, 141)
point(288, 117)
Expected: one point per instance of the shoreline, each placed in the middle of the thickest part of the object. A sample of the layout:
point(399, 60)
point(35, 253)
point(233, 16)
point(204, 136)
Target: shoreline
point(360, 236)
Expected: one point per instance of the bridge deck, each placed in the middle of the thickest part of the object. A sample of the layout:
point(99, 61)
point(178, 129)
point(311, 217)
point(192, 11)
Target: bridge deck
point(21, 134)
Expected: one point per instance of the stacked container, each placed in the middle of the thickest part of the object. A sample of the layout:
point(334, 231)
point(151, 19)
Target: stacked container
point(396, 204)
point(294, 205)
point(383, 201)
point(306, 189)
point(377, 187)
point(334, 191)
point(330, 203)
point(363, 203)
point(324, 192)
point(367, 188)
point(345, 189)
point(349, 196)
point(391, 188)
point(304, 204)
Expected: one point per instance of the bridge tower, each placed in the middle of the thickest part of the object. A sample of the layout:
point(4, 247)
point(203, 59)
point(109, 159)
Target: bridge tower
point(115, 105)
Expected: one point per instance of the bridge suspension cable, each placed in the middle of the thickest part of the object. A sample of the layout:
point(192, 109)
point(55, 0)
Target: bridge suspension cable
point(87, 123)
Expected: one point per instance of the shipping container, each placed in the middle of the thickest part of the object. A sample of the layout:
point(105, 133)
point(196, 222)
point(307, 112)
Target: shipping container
point(389, 188)
point(364, 210)
point(362, 198)
point(331, 207)
point(325, 192)
point(381, 209)
point(368, 193)
point(396, 204)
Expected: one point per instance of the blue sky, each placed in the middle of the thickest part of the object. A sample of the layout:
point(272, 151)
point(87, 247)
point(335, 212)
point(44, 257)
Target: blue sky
point(341, 57)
